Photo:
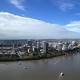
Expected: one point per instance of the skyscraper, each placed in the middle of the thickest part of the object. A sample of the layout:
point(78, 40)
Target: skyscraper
point(45, 46)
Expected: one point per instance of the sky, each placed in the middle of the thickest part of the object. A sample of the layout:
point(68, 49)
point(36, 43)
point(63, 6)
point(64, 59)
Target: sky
point(39, 19)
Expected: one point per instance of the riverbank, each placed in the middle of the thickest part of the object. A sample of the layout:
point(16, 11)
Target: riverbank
point(15, 57)
point(44, 69)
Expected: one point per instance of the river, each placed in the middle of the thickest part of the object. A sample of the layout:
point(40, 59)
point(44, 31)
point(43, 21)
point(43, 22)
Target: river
point(45, 69)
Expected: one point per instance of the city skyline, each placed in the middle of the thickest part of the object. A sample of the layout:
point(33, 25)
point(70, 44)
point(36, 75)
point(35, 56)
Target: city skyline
point(39, 19)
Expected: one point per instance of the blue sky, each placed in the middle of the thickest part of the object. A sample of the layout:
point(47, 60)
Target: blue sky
point(63, 13)
point(46, 10)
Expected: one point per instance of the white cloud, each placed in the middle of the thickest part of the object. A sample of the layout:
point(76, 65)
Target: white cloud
point(18, 4)
point(13, 26)
point(65, 5)
point(74, 26)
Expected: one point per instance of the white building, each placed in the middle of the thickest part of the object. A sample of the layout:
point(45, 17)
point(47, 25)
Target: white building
point(70, 46)
point(54, 45)
point(73, 43)
point(64, 47)
point(33, 48)
point(59, 46)
point(38, 45)
point(44, 46)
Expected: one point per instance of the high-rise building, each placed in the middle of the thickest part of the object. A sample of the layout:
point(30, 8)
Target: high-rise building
point(38, 44)
point(59, 47)
point(45, 46)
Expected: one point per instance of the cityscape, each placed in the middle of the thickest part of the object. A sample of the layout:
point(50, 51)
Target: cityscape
point(39, 39)
point(36, 49)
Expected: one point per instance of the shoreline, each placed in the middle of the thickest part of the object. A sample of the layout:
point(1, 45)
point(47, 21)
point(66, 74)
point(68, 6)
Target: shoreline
point(27, 58)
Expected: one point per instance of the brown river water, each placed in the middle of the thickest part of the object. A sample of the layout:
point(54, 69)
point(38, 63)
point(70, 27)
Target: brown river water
point(45, 69)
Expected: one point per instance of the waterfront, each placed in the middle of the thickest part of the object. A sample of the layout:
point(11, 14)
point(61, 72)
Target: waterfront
point(15, 50)
point(45, 69)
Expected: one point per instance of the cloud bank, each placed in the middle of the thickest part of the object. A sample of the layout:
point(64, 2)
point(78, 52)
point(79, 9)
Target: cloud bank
point(17, 27)
point(74, 26)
